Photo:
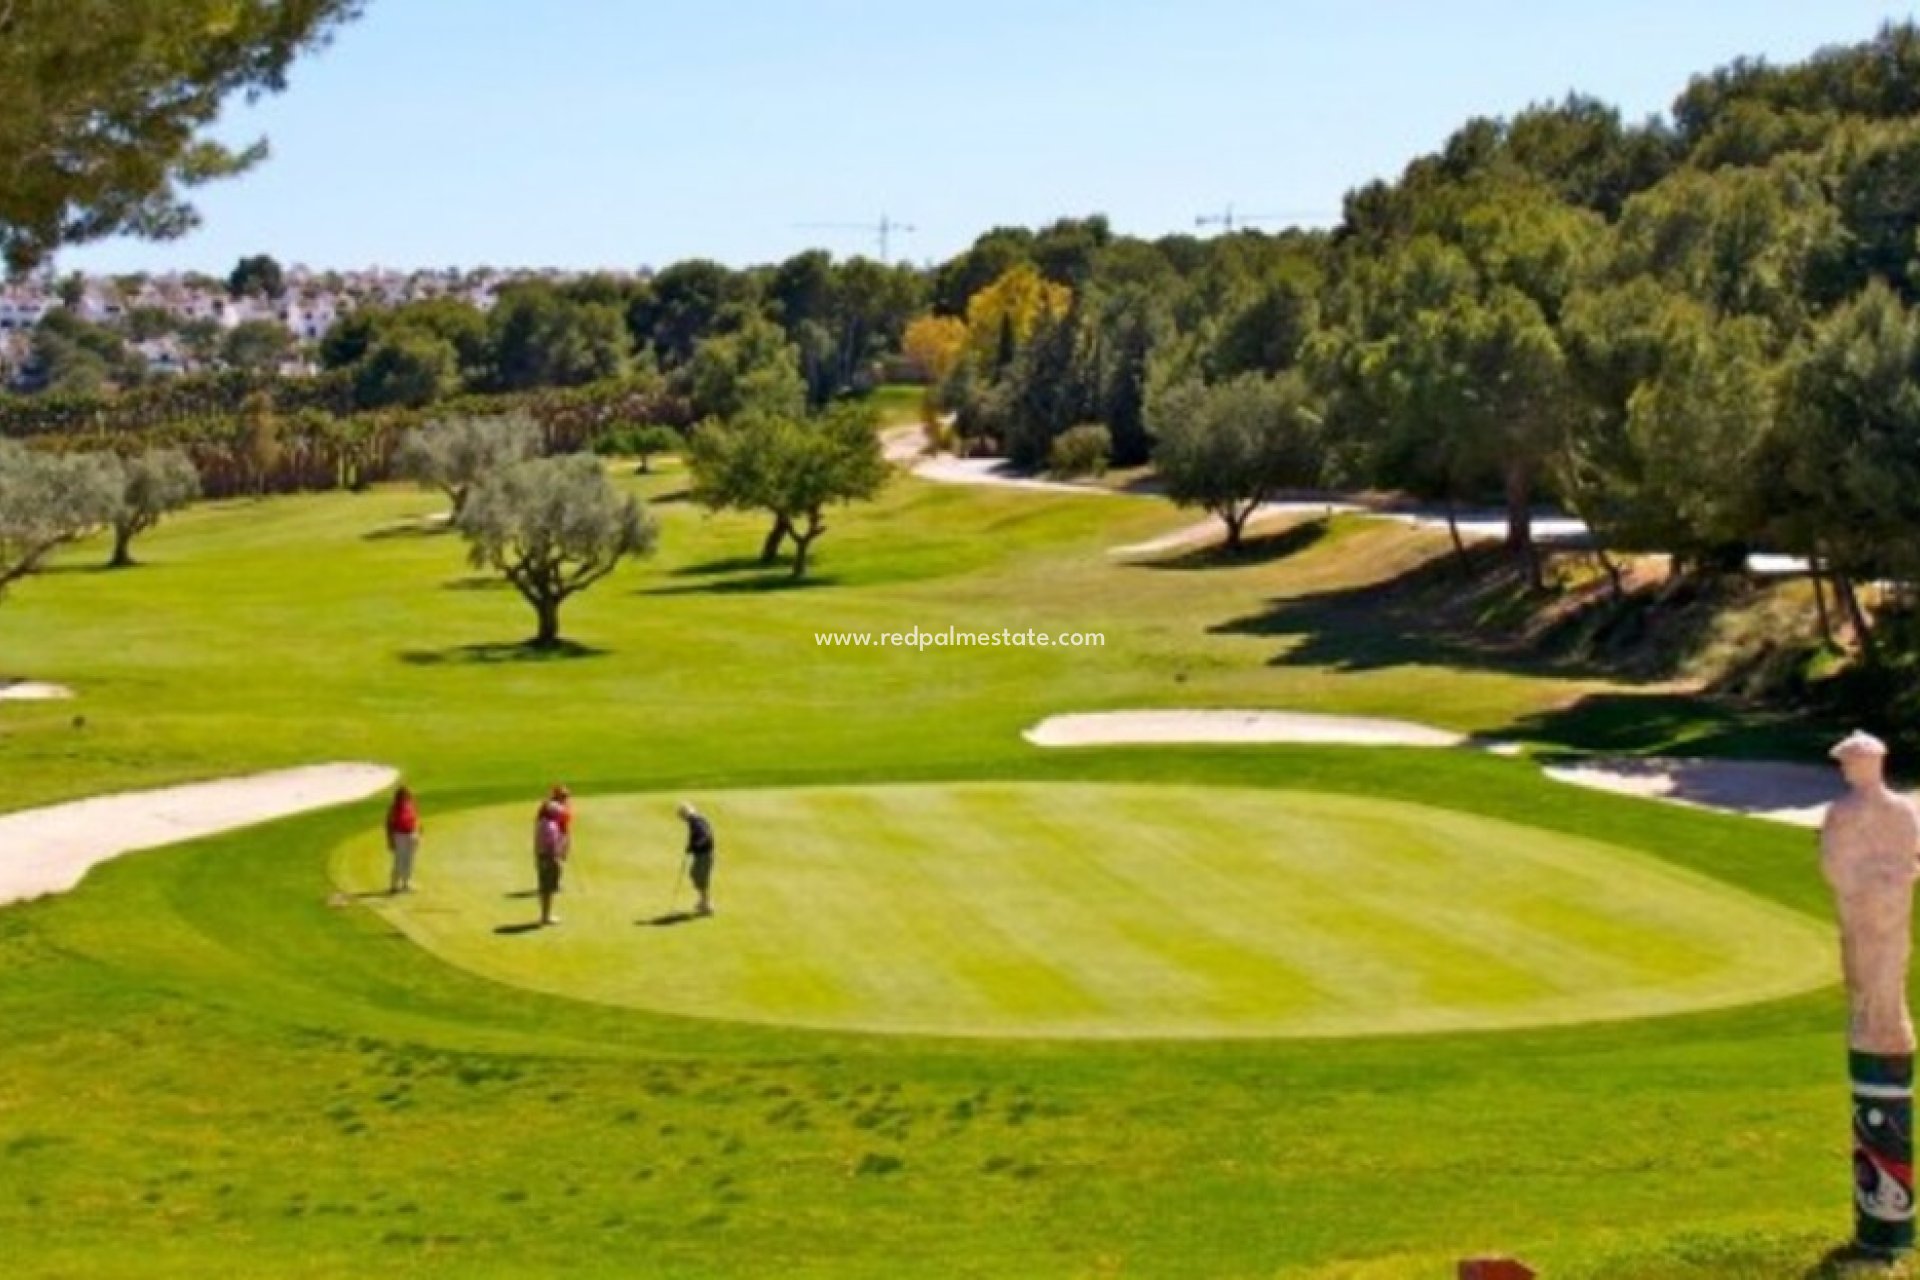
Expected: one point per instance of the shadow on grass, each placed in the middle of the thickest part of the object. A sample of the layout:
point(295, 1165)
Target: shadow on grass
point(1264, 549)
point(433, 526)
point(508, 930)
point(677, 498)
point(670, 919)
point(490, 654)
point(476, 582)
point(1850, 1262)
point(1633, 724)
point(522, 894)
point(777, 581)
point(715, 568)
point(86, 570)
point(1431, 615)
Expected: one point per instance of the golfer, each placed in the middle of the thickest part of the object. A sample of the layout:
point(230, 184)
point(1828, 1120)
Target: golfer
point(403, 840)
point(552, 842)
point(699, 856)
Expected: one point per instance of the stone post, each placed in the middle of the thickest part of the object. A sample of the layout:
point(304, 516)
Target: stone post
point(1870, 855)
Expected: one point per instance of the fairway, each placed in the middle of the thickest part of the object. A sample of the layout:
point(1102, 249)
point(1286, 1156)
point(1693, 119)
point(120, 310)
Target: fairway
point(1091, 910)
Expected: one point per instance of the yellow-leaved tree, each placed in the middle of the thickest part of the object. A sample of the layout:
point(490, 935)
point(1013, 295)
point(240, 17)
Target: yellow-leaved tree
point(1002, 316)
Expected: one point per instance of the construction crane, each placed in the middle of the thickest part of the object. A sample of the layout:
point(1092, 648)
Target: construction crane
point(1227, 219)
point(884, 230)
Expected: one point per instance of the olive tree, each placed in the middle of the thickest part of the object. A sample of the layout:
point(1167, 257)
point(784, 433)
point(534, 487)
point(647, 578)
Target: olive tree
point(792, 468)
point(47, 500)
point(553, 527)
point(1231, 446)
point(151, 484)
point(453, 454)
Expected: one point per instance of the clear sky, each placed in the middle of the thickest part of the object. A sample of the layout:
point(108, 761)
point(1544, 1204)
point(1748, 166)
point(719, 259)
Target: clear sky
point(615, 133)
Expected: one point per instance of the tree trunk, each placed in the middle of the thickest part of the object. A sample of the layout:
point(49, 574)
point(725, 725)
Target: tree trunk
point(1236, 521)
point(548, 612)
point(803, 542)
point(1459, 543)
point(122, 546)
point(1820, 600)
point(781, 531)
point(1862, 628)
point(1613, 573)
point(1519, 487)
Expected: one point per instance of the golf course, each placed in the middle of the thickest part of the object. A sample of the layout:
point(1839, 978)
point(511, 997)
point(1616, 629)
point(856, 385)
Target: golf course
point(968, 1006)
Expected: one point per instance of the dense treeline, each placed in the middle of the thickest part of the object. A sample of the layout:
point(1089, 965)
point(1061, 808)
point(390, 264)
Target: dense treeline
point(1697, 333)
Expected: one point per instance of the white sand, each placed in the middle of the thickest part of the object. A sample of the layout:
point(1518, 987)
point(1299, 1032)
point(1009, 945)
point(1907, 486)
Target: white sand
point(48, 850)
point(31, 691)
point(1108, 728)
point(1792, 793)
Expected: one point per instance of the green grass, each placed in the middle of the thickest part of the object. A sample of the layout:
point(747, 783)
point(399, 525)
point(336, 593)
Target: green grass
point(897, 403)
point(1078, 910)
point(208, 1068)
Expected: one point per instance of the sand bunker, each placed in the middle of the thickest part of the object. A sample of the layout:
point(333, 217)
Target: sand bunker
point(31, 691)
point(1111, 728)
point(1791, 793)
point(48, 850)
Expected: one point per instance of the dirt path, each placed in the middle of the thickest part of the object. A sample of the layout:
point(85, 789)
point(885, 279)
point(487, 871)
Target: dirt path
point(49, 850)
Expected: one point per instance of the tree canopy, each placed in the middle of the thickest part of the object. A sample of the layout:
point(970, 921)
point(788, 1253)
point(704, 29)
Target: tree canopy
point(109, 103)
point(553, 527)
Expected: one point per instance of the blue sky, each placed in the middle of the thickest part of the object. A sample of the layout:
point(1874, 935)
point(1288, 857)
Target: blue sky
point(615, 133)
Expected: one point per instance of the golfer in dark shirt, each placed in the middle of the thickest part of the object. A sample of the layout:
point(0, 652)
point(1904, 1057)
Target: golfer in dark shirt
point(699, 856)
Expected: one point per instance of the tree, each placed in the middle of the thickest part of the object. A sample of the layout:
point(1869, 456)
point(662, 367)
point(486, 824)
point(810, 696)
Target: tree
point(47, 500)
point(257, 443)
point(72, 357)
point(640, 442)
point(686, 302)
point(258, 346)
point(454, 455)
point(409, 369)
point(541, 339)
point(793, 468)
point(553, 527)
point(1003, 315)
point(1231, 446)
point(934, 345)
point(1852, 446)
point(151, 484)
point(754, 370)
point(258, 276)
point(108, 108)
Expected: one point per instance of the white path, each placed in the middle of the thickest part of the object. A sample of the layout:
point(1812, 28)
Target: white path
point(907, 446)
point(49, 850)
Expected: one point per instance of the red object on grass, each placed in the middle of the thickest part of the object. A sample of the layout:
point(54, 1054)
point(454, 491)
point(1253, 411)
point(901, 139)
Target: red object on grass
point(1495, 1269)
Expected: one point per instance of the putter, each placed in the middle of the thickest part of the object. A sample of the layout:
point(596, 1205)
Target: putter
point(679, 874)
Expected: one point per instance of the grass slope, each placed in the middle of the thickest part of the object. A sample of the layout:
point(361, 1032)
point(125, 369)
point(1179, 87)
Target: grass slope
point(206, 1068)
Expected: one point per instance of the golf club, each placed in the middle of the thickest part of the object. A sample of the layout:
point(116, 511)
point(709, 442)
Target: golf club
point(679, 874)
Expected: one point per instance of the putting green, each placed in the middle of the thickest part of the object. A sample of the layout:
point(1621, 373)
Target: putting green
point(1074, 910)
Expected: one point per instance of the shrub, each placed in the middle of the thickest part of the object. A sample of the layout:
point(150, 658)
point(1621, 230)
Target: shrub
point(1080, 451)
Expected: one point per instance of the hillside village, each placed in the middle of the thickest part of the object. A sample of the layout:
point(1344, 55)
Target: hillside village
point(176, 321)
